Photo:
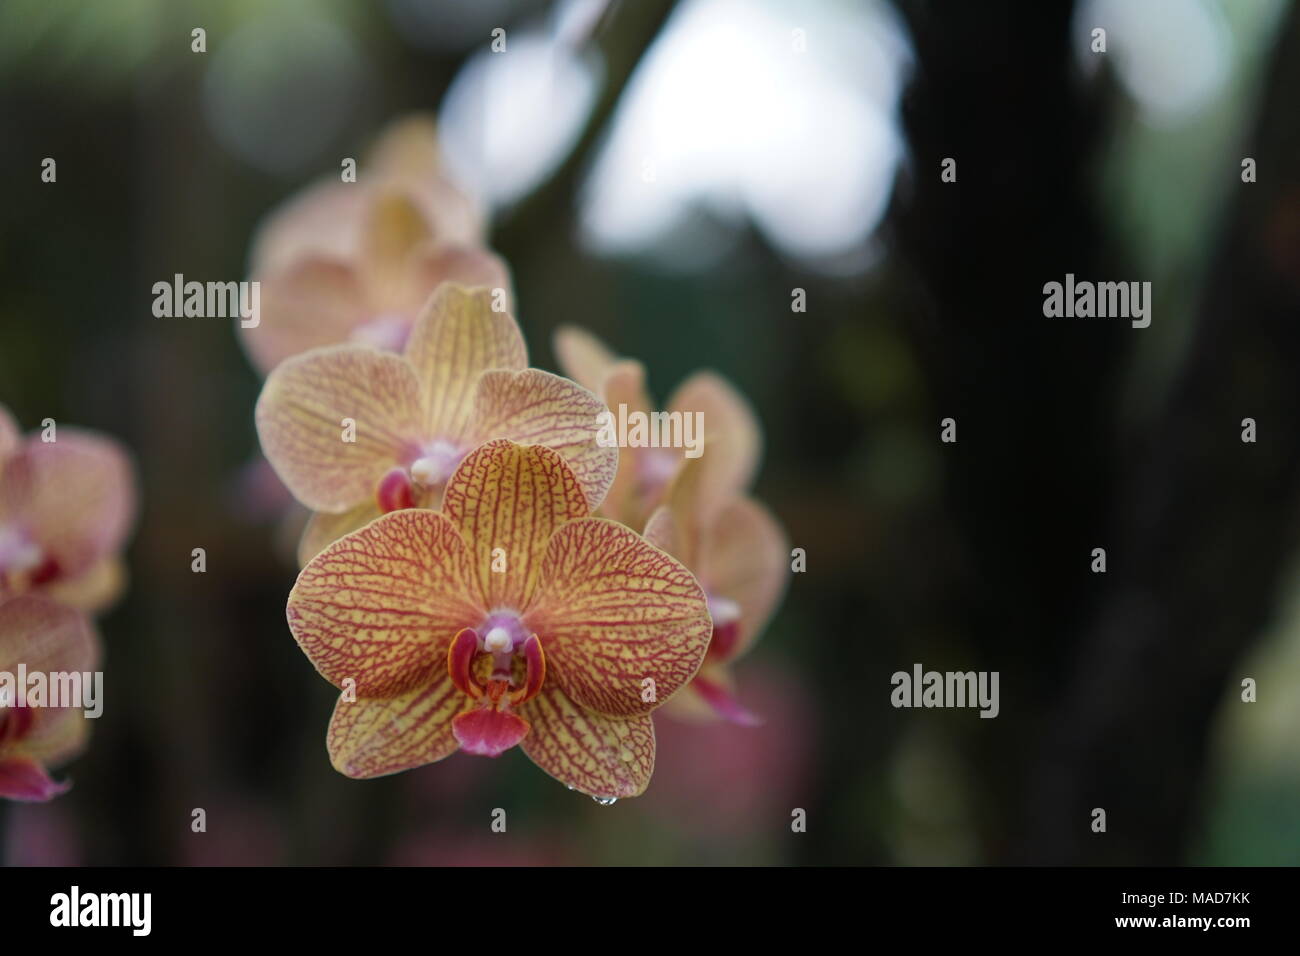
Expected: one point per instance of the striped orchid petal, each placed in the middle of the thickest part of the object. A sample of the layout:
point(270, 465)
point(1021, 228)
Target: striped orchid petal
point(604, 757)
point(507, 500)
point(310, 403)
point(457, 338)
point(533, 407)
point(370, 737)
point(381, 606)
point(618, 617)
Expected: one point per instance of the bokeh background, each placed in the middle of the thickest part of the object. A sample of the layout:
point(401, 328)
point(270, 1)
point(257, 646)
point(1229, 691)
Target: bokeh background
point(665, 174)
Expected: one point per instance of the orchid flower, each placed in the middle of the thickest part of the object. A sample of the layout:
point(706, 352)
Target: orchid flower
point(510, 617)
point(740, 556)
point(66, 507)
point(357, 261)
point(462, 380)
point(45, 637)
point(732, 439)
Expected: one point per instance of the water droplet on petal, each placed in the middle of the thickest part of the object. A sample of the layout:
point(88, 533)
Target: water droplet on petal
point(606, 801)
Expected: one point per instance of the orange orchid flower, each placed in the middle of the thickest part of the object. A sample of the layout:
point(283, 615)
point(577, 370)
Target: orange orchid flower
point(510, 617)
point(462, 380)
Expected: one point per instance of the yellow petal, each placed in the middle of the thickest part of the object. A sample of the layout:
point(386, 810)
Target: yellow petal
point(624, 624)
point(381, 606)
point(455, 340)
point(507, 500)
point(533, 407)
point(599, 756)
point(303, 415)
point(371, 737)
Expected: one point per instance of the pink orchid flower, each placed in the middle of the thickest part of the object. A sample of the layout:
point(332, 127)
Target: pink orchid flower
point(355, 262)
point(732, 438)
point(510, 617)
point(47, 638)
point(740, 556)
point(462, 380)
point(66, 507)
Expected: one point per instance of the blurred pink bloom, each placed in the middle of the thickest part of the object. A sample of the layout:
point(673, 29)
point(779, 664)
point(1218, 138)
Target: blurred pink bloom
point(356, 261)
point(66, 507)
point(38, 636)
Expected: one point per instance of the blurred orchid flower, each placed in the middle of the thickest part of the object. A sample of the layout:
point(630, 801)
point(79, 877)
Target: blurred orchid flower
point(66, 507)
point(732, 438)
point(357, 261)
point(45, 637)
point(508, 617)
point(740, 556)
point(462, 380)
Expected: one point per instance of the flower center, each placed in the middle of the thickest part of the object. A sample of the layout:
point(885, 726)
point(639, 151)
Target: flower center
point(435, 463)
point(489, 727)
point(386, 332)
point(430, 465)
